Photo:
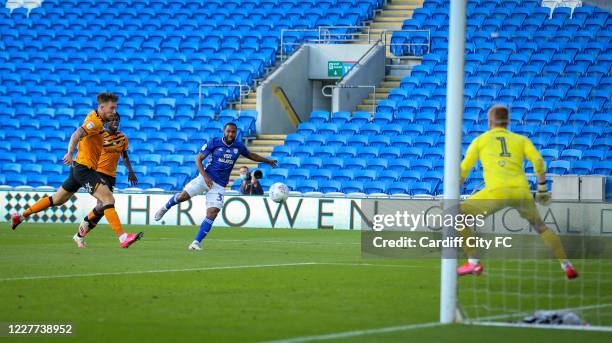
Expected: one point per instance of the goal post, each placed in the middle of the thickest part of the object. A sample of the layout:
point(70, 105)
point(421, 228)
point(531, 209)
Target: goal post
point(452, 152)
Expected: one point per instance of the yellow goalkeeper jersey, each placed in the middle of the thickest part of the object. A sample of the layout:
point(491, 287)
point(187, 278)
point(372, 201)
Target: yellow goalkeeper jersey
point(502, 154)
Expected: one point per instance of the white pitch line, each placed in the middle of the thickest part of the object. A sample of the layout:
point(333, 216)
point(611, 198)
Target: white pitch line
point(43, 277)
point(546, 326)
point(288, 242)
point(356, 333)
point(369, 265)
point(523, 314)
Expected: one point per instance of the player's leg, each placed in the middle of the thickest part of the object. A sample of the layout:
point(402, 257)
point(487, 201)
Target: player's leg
point(94, 216)
point(195, 187)
point(528, 210)
point(214, 203)
point(58, 198)
point(88, 223)
point(483, 203)
point(104, 195)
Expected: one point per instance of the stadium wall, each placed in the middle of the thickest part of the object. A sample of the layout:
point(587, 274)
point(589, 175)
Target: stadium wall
point(292, 77)
point(369, 72)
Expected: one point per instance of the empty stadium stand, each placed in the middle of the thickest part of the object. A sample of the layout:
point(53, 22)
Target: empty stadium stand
point(551, 69)
point(155, 54)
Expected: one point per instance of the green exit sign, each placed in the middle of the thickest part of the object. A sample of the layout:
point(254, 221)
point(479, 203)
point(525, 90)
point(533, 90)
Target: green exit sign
point(335, 69)
point(338, 68)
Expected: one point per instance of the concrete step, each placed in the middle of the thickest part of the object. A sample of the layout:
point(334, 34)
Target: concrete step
point(267, 142)
point(402, 7)
point(261, 149)
point(271, 136)
point(394, 16)
point(392, 78)
point(365, 108)
point(378, 95)
point(383, 89)
point(249, 100)
point(246, 107)
point(242, 161)
point(371, 101)
point(390, 84)
point(418, 3)
point(388, 25)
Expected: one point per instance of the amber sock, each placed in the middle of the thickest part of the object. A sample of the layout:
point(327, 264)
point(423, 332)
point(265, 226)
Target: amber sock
point(113, 219)
point(40, 205)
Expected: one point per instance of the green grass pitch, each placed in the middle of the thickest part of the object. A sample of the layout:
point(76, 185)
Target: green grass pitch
point(248, 285)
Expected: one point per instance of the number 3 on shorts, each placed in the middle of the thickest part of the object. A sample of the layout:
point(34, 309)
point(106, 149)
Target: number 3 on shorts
point(220, 197)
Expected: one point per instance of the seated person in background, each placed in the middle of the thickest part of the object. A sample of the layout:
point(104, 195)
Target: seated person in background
point(250, 184)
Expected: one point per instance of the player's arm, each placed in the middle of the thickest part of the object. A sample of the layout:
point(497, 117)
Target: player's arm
point(471, 156)
point(131, 175)
point(199, 164)
point(257, 158)
point(532, 154)
point(76, 136)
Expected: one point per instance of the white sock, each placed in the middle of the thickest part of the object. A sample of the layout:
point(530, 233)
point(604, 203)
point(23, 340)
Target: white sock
point(565, 263)
point(473, 261)
point(123, 237)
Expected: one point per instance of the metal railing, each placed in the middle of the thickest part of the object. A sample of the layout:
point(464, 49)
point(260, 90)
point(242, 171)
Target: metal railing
point(347, 34)
point(329, 35)
point(332, 87)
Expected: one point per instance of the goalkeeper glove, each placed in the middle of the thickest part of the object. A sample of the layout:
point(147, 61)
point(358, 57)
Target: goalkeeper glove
point(542, 195)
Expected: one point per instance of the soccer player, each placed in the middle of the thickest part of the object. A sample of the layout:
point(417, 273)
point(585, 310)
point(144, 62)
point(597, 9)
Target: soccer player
point(89, 138)
point(213, 178)
point(502, 153)
point(115, 147)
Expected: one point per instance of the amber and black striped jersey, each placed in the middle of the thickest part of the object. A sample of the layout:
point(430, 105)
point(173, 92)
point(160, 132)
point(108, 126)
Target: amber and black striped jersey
point(90, 146)
point(114, 146)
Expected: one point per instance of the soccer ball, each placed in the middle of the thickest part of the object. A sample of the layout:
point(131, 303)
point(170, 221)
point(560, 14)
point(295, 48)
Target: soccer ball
point(279, 192)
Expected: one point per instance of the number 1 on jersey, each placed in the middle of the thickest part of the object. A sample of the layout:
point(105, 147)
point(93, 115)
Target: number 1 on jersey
point(504, 148)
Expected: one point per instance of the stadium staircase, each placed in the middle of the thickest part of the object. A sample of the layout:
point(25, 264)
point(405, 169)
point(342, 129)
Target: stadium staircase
point(390, 18)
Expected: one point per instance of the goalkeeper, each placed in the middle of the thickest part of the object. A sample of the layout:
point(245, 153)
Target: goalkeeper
point(502, 153)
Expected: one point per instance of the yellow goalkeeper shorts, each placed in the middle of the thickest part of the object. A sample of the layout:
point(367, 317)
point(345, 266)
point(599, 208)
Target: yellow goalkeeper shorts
point(489, 201)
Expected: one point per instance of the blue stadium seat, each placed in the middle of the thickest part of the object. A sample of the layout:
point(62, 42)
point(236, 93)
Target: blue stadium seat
point(602, 168)
point(421, 188)
point(329, 186)
point(375, 187)
point(582, 167)
point(352, 187)
point(593, 155)
point(321, 174)
point(307, 186)
point(319, 116)
point(559, 167)
point(356, 163)
point(299, 174)
point(399, 164)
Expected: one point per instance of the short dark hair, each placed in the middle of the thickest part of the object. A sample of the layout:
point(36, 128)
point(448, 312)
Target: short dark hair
point(499, 114)
point(105, 97)
point(245, 167)
point(258, 174)
point(230, 124)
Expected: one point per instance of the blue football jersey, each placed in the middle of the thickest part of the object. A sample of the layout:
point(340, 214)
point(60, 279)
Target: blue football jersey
point(222, 159)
